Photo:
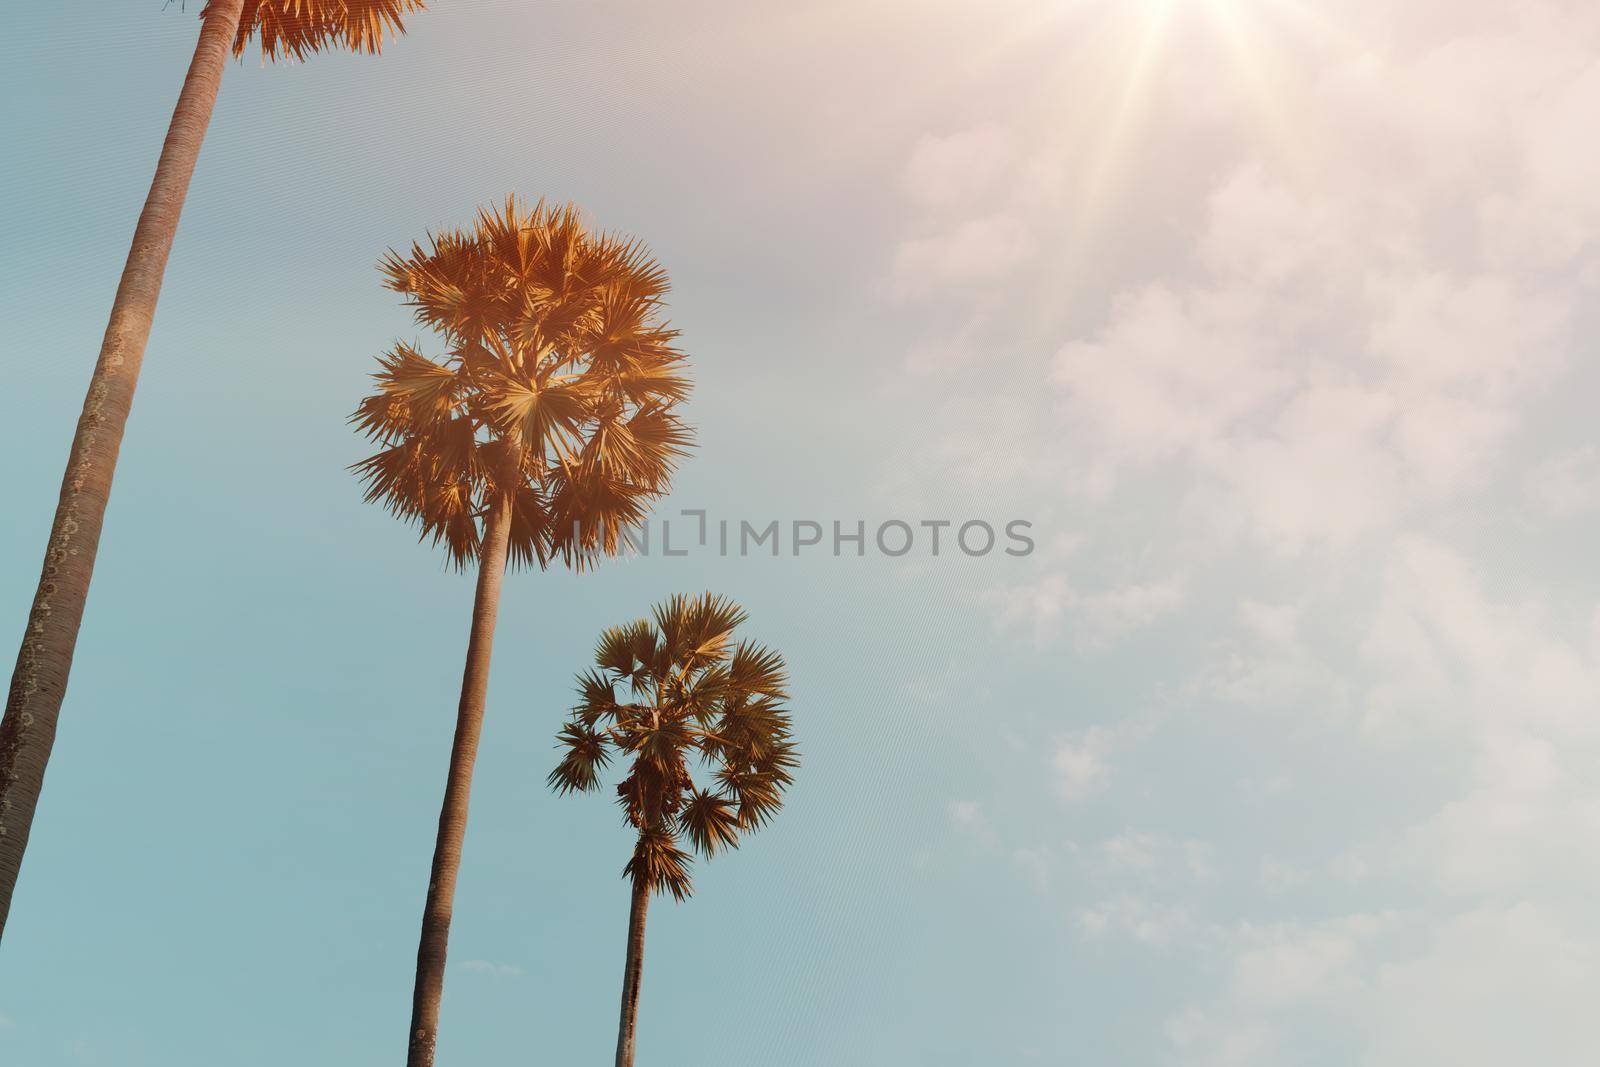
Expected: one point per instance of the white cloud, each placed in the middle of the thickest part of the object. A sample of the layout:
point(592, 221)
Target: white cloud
point(971, 252)
point(1287, 962)
point(1483, 988)
point(1080, 763)
point(1350, 333)
point(1566, 484)
point(1050, 604)
point(1311, 400)
point(960, 167)
point(1279, 876)
point(1300, 405)
point(1495, 986)
point(1156, 855)
point(1145, 922)
point(966, 814)
point(1204, 1041)
point(969, 818)
point(1267, 661)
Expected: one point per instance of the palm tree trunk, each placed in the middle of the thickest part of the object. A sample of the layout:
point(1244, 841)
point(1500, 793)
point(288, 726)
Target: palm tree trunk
point(40, 680)
point(457, 791)
point(631, 972)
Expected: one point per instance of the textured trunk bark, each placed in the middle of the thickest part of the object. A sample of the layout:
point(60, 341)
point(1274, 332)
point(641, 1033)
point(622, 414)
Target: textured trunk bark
point(630, 975)
point(39, 681)
point(457, 791)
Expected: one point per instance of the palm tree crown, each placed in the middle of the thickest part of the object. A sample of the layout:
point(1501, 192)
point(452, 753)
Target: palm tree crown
point(297, 28)
point(556, 390)
point(691, 695)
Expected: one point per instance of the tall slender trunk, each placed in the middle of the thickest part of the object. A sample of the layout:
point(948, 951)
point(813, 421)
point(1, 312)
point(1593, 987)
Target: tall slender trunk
point(457, 791)
point(631, 972)
point(40, 679)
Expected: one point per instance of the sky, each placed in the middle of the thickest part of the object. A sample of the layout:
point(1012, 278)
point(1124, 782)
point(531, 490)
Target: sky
point(1271, 317)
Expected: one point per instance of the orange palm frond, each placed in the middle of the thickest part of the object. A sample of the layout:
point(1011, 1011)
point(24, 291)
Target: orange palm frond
point(658, 863)
point(298, 28)
point(557, 366)
point(691, 709)
point(586, 755)
point(710, 822)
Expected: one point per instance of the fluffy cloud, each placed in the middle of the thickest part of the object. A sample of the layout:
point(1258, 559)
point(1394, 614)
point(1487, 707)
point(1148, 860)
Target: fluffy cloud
point(1318, 381)
point(1301, 409)
point(1495, 985)
point(1144, 921)
point(975, 250)
point(1096, 618)
point(1566, 484)
point(1147, 854)
point(960, 167)
point(1080, 763)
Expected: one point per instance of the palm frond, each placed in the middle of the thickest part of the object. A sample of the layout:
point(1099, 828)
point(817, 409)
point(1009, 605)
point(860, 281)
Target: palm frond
point(553, 346)
point(683, 663)
point(584, 756)
point(697, 631)
point(432, 477)
point(659, 864)
point(530, 530)
point(758, 794)
point(539, 414)
point(710, 822)
point(597, 695)
point(619, 648)
point(757, 671)
point(298, 28)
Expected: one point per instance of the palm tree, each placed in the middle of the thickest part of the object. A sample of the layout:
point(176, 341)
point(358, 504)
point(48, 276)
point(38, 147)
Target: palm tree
point(691, 695)
point(283, 28)
point(544, 433)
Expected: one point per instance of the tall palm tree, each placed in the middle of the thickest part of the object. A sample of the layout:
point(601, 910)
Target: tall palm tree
point(691, 695)
point(283, 28)
point(544, 433)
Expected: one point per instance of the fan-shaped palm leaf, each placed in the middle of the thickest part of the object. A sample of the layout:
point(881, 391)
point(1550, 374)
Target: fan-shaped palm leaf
point(699, 699)
point(297, 28)
point(519, 443)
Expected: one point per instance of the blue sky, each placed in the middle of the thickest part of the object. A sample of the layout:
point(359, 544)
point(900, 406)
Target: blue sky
point(1273, 320)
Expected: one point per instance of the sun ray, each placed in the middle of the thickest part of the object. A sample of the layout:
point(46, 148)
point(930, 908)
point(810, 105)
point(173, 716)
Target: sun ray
point(1131, 44)
point(1132, 96)
point(1252, 67)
